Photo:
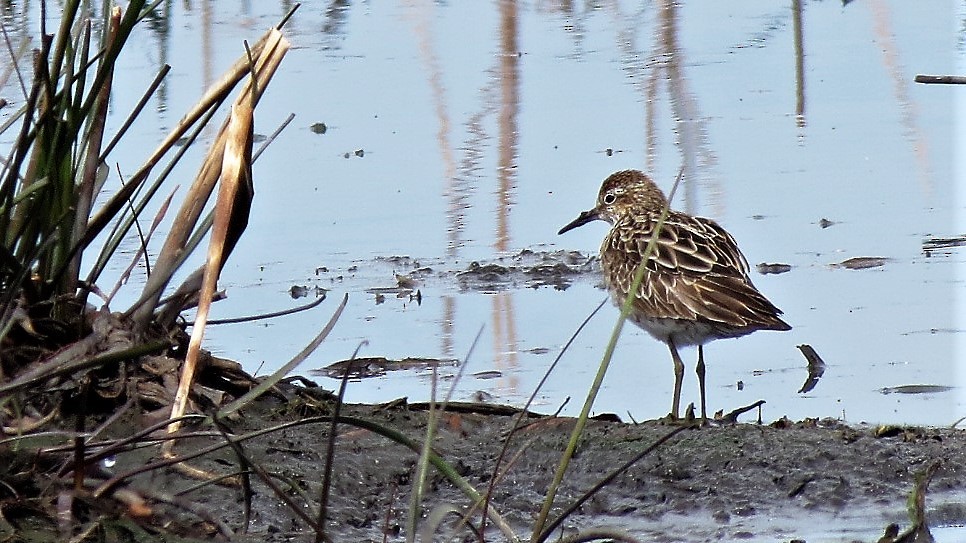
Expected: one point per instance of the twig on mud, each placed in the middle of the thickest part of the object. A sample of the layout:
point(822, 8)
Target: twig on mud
point(560, 409)
point(732, 417)
point(187, 505)
point(26, 428)
point(605, 481)
point(117, 479)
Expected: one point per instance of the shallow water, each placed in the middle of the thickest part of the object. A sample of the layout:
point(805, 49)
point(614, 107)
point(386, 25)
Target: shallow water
point(471, 131)
point(484, 127)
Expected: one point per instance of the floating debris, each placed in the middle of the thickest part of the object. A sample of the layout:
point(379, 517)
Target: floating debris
point(488, 374)
point(916, 389)
point(766, 269)
point(359, 368)
point(861, 263)
point(934, 244)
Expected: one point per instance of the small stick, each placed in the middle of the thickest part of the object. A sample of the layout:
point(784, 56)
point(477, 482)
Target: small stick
point(732, 417)
point(941, 79)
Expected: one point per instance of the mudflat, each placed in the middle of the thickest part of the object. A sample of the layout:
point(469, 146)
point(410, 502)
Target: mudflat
point(782, 481)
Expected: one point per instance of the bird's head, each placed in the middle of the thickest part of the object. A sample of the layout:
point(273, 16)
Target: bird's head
point(622, 193)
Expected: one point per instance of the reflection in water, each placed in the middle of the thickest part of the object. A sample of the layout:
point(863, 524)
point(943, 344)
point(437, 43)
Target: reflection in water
point(509, 109)
point(690, 125)
point(336, 15)
point(505, 341)
point(504, 333)
point(661, 69)
point(799, 64)
point(206, 46)
point(16, 31)
point(421, 13)
point(159, 21)
point(907, 109)
point(460, 179)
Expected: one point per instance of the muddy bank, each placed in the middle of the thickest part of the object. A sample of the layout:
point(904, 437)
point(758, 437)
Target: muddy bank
point(745, 481)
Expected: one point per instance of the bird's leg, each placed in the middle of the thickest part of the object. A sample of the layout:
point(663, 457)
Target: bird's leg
point(699, 369)
point(678, 378)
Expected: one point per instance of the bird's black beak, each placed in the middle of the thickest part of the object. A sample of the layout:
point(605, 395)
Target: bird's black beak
point(584, 218)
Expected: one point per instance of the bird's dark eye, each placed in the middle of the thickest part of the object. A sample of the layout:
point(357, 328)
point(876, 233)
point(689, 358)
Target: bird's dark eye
point(609, 198)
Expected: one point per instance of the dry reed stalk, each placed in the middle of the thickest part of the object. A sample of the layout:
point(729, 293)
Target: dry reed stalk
point(234, 147)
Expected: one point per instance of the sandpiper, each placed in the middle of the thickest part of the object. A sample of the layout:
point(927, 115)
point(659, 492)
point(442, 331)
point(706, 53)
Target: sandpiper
point(695, 288)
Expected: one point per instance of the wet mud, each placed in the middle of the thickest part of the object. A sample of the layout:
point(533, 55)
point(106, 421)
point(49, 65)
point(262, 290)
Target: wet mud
point(741, 481)
point(402, 276)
